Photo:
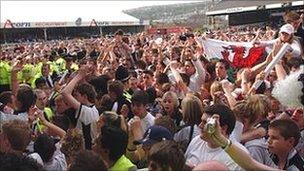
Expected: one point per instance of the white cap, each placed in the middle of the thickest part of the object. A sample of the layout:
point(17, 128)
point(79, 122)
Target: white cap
point(287, 28)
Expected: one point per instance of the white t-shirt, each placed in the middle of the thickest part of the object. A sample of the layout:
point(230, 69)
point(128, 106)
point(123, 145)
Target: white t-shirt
point(295, 46)
point(87, 115)
point(198, 151)
point(147, 121)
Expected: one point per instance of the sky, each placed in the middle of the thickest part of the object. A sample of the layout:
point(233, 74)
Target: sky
point(38, 11)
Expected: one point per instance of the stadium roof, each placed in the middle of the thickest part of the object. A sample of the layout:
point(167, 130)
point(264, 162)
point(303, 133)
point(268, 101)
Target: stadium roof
point(234, 6)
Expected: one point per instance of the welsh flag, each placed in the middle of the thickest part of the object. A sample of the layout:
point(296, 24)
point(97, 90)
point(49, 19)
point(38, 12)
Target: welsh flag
point(238, 54)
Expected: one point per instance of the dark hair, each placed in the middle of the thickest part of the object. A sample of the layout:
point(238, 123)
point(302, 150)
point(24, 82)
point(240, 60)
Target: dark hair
point(88, 160)
point(18, 133)
point(26, 96)
point(226, 64)
point(105, 103)
point(88, 90)
point(167, 154)
point(287, 128)
point(226, 115)
point(116, 86)
point(151, 94)
point(100, 84)
point(5, 98)
point(140, 96)
point(162, 78)
point(262, 88)
point(45, 147)
point(115, 140)
point(12, 161)
point(40, 82)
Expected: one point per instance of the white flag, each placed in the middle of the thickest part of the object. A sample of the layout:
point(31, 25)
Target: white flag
point(238, 54)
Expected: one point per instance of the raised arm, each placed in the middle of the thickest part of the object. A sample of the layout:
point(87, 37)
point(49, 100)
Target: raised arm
point(261, 66)
point(228, 88)
point(17, 66)
point(241, 157)
point(54, 128)
point(67, 91)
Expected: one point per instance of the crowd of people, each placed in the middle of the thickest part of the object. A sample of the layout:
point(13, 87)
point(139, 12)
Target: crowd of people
point(151, 102)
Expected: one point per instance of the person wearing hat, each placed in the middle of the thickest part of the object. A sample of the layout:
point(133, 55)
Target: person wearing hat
point(297, 21)
point(286, 35)
point(153, 135)
point(122, 74)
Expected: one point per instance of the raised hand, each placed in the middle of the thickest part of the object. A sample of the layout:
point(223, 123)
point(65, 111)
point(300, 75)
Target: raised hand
point(17, 66)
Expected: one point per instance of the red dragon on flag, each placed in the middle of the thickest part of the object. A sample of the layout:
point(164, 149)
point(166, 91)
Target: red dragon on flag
point(240, 57)
point(238, 54)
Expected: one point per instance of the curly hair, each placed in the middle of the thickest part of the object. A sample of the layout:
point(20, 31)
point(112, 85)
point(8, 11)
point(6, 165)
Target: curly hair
point(73, 142)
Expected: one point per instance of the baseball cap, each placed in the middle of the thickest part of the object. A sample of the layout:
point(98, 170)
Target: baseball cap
point(155, 134)
point(287, 28)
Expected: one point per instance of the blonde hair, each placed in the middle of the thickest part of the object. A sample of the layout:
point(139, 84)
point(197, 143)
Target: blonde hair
point(192, 110)
point(174, 97)
point(254, 107)
point(215, 86)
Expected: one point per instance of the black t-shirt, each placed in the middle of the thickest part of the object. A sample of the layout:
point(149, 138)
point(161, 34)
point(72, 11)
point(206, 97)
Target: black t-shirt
point(70, 113)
